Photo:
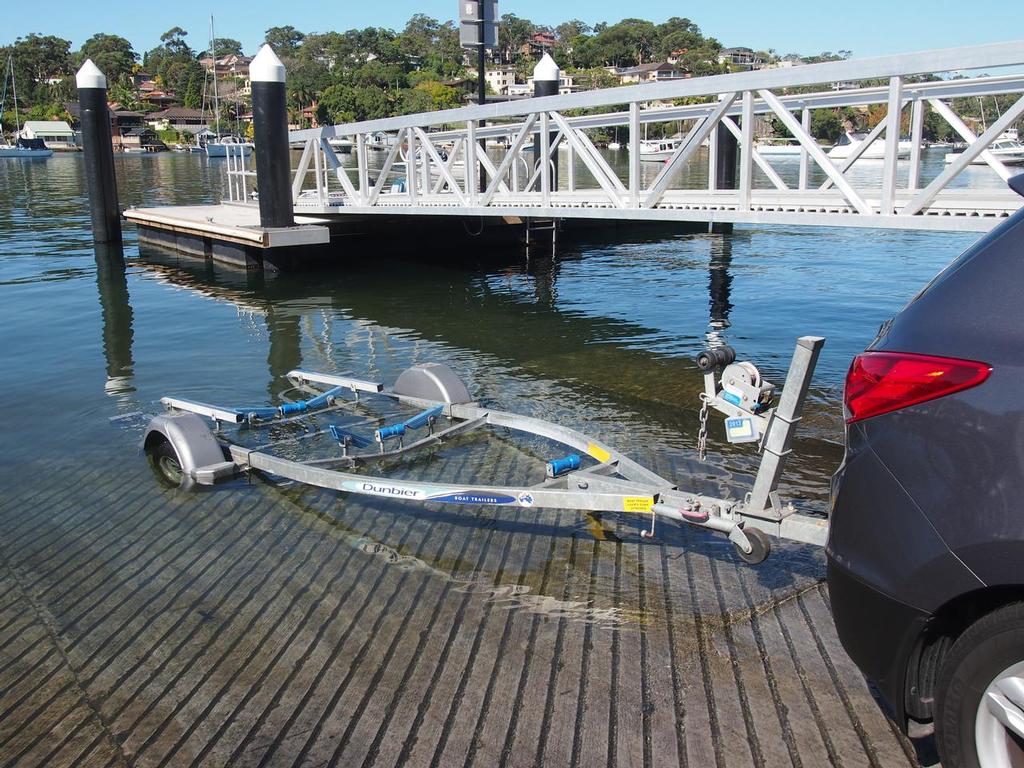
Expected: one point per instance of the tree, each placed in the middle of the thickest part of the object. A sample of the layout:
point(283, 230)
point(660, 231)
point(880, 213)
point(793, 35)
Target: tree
point(350, 103)
point(628, 43)
point(112, 54)
point(38, 59)
point(284, 40)
point(413, 101)
point(192, 94)
point(226, 46)
point(678, 34)
point(441, 96)
point(124, 93)
point(569, 30)
point(174, 42)
point(826, 124)
point(513, 33)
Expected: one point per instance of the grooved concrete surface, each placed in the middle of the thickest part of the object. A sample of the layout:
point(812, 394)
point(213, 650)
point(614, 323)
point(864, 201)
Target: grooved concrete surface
point(257, 626)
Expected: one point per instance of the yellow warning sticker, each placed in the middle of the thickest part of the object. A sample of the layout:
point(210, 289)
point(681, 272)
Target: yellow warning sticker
point(598, 452)
point(637, 503)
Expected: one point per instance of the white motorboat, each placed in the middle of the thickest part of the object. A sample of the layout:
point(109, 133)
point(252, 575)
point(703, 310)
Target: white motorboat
point(234, 144)
point(1008, 151)
point(658, 150)
point(614, 146)
point(344, 146)
point(850, 142)
point(23, 149)
point(378, 141)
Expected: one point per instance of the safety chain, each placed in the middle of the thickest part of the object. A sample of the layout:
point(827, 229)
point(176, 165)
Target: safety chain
point(702, 434)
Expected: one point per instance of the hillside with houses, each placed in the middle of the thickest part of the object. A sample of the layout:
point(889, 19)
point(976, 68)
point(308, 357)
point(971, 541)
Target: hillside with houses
point(164, 95)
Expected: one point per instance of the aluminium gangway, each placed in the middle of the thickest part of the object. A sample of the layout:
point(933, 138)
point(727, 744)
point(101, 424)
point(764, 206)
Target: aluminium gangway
point(887, 193)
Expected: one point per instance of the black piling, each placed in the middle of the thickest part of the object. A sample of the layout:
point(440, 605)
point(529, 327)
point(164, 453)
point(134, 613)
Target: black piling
point(545, 83)
point(99, 154)
point(725, 169)
point(270, 126)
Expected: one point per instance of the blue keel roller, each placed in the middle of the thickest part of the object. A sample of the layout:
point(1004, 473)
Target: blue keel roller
point(394, 430)
point(558, 467)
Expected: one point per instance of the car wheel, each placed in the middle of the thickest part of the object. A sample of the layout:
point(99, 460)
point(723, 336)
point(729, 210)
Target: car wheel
point(980, 702)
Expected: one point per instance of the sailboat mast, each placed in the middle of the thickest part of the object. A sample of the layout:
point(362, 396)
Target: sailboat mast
point(213, 55)
point(14, 90)
point(3, 102)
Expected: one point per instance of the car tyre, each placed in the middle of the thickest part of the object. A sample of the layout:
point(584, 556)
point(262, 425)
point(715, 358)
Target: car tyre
point(980, 698)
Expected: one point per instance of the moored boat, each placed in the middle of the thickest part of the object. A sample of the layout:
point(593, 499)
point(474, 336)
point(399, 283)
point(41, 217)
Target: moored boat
point(1008, 151)
point(222, 145)
point(849, 143)
point(22, 149)
point(657, 150)
point(26, 149)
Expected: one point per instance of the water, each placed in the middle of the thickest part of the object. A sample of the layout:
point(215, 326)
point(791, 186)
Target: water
point(601, 338)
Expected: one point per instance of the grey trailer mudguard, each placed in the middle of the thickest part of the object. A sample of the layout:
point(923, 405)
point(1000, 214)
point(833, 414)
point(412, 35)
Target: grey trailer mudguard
point(199, 454)
point(432, 381)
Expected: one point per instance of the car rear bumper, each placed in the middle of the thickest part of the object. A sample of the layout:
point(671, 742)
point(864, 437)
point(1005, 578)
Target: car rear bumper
point(877, 631)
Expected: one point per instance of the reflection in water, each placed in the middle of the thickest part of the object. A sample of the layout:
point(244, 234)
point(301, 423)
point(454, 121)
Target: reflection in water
point(112, 285)
point(284, 352)
point(720, 288)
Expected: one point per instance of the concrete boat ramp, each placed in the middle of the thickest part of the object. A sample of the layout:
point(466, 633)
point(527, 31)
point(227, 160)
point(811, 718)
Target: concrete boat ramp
point(261, 626)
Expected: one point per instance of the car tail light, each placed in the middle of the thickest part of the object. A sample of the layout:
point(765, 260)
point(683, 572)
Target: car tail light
point(880, 382)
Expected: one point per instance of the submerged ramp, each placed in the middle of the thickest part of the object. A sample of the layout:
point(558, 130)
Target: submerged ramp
point(254, 626)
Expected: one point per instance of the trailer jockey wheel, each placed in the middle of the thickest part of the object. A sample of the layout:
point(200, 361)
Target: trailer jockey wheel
point(760, 546)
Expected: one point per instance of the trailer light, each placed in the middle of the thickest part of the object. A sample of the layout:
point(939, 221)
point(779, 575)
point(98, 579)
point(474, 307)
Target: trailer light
point(881, 382)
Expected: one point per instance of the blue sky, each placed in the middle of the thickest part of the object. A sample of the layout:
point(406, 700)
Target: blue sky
point(867, 27)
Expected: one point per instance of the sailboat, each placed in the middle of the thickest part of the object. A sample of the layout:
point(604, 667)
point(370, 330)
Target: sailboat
point(22, 148)
point(220, 146)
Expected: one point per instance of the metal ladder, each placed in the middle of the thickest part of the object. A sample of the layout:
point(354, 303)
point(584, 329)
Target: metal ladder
point(534, 226)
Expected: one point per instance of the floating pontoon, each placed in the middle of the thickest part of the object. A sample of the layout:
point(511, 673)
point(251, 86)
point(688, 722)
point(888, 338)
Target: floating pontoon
point(593, 477)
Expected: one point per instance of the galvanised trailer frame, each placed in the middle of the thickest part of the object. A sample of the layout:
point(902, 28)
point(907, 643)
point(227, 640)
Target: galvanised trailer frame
point(188, 451)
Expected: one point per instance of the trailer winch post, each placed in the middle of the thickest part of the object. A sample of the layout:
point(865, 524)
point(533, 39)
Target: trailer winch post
point(763, 502)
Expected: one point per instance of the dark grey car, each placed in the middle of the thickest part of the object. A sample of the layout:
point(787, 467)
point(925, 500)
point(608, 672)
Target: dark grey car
point(926, 549)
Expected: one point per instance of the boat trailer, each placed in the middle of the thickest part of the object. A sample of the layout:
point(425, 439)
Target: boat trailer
point(594, 477)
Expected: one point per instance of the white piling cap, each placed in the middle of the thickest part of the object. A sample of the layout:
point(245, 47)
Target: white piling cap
point(89, 76)
point(266, 67)
point(546, 69)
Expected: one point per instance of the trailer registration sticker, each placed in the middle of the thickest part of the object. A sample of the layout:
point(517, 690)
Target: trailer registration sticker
point(637, 503)
point(740, 430)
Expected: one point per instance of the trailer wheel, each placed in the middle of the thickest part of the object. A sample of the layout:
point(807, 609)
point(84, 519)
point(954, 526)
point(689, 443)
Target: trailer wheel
point(760, 546)
point(165, 462)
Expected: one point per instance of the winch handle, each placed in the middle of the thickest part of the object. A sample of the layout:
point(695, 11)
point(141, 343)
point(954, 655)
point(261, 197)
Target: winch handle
point(716, 357)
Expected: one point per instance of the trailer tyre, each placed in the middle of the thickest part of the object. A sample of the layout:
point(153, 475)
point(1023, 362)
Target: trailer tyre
point(760, 546)
point(165, 462)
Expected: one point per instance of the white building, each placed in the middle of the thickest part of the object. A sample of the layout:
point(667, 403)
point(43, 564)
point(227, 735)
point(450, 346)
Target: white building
point(56, 133)
point(500, 78)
